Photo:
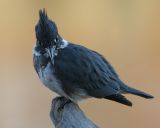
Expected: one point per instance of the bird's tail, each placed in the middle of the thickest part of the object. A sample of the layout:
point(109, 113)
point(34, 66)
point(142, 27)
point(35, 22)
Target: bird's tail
point(127, 89)
point(119, 98)
point(138, 93)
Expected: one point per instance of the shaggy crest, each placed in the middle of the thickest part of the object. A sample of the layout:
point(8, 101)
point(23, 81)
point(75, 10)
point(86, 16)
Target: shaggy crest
point(46, 29)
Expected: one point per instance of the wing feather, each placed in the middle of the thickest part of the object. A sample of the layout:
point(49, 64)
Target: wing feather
point(80, 68)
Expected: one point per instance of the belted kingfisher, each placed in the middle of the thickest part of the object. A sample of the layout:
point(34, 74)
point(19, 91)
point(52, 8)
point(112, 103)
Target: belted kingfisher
point(74, 71)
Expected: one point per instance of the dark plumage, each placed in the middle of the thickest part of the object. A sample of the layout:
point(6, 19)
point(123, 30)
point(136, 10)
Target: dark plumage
point(74, 71)
point(46, 30)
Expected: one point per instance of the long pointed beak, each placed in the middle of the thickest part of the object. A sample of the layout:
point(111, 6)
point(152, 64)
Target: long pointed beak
point(50, 52)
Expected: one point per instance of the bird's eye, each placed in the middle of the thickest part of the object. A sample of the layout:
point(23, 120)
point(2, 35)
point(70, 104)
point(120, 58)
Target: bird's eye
point(56, 40)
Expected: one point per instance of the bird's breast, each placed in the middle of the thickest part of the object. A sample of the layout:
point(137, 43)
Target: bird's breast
point(46, 75)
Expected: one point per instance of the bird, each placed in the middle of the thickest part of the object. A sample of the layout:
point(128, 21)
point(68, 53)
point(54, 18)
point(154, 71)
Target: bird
point(74, 71)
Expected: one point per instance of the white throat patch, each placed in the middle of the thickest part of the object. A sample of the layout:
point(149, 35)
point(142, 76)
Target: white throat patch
point(65, 43)
point(36, 53)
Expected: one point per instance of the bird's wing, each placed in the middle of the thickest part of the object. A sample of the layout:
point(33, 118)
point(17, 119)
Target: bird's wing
point(80, 68)
point(111, 69)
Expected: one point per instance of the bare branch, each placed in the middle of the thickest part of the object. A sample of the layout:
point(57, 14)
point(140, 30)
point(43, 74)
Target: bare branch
point(66, 114)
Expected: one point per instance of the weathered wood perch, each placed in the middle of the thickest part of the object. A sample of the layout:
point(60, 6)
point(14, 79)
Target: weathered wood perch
point(68, 115)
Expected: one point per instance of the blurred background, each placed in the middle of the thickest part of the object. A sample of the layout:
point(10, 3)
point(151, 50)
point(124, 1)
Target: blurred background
point(126, 32)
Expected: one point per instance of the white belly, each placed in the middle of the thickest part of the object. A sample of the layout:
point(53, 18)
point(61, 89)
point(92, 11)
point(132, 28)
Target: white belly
point(48, 79)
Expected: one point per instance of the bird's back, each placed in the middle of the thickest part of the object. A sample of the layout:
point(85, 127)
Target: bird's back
point(78, 67)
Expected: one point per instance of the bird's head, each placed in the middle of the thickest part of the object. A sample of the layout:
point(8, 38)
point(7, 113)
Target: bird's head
point(47, 34)
point(46, 31)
